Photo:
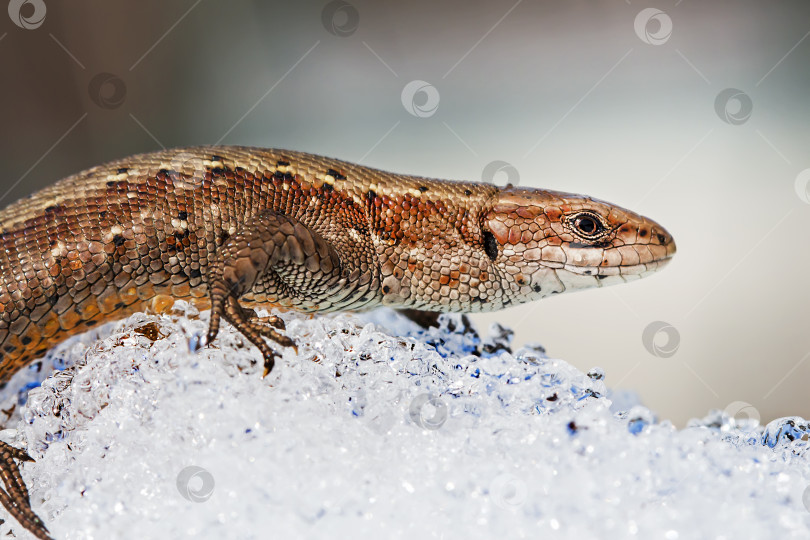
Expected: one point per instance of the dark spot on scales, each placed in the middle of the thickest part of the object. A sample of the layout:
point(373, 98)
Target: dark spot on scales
point(182, 215)
point(467, 192)
point(118, 240)
point(490, 245)
point(423, 188)
point(218, 171)
point(337, 175)
point(282, 163)
point(328, 187)
point(216, 158)
point(123, 170)
point(371, 195)
point(53, 208)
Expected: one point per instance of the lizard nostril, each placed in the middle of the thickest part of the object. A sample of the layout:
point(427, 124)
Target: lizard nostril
point(662, 239)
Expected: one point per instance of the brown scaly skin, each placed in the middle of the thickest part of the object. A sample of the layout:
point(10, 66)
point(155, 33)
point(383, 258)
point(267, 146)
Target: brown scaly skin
point(232, 227)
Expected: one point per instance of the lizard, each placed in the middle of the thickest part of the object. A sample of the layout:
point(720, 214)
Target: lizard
point(229, 228)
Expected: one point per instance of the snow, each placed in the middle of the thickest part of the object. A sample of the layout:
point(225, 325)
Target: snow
point(378, 429)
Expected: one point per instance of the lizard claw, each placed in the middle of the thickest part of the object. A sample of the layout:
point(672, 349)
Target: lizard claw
point(251, 327)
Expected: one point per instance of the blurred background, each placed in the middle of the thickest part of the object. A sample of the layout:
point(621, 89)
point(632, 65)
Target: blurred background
point(694, 114)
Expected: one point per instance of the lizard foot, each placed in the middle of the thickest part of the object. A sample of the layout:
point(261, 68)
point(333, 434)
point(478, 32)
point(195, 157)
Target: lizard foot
point(14, 497)
point(272, 320)
point(252, 327)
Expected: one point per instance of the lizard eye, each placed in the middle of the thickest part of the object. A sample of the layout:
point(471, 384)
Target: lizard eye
point(587, 225)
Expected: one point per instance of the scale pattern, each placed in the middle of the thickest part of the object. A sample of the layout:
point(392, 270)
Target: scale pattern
point(138, 232)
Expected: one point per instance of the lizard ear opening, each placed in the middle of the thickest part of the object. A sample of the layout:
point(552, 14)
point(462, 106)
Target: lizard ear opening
point(490, 245)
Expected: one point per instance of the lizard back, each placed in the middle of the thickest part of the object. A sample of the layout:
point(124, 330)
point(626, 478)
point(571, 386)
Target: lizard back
point(116, 238)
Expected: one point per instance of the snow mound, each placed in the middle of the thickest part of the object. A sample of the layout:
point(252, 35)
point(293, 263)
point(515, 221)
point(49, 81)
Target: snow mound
point(378, 429)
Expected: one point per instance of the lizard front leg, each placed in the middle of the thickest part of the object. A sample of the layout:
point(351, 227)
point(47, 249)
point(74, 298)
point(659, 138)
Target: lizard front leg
point(292, 264)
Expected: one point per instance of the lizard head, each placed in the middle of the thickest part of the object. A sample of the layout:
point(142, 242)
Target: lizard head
point(545, 242)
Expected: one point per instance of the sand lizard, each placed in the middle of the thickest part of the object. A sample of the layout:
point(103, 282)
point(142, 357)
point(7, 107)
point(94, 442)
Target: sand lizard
point(229, 227)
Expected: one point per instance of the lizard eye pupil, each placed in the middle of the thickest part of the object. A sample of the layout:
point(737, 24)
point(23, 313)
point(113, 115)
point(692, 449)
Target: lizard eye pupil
point(588, 225)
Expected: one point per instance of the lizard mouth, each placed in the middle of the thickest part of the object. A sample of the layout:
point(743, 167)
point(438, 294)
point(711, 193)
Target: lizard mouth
point(636, 259)
point(625, 270)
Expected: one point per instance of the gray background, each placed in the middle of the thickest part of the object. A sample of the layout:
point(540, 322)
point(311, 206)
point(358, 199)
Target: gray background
point(572, 94)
